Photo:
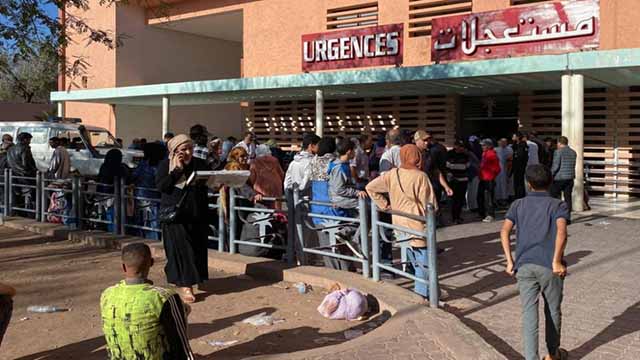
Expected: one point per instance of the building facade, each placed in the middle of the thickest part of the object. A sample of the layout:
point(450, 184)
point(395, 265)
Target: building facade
point(187, 41)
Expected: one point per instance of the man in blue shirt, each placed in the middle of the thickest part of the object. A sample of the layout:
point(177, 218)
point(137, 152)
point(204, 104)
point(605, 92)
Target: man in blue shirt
point(541, 237)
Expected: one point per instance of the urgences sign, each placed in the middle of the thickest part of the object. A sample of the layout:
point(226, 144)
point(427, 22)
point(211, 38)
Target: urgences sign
point(370, 46)
point(550, 28)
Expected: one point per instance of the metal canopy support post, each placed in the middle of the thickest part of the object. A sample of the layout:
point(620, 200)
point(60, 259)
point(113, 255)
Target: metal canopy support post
point(165, 115)
point(319, 113)
point(573, 129)
point(577, 139)
point(60, 108)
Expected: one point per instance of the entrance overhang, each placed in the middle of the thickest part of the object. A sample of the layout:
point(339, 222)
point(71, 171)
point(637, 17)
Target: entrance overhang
point(614, 68)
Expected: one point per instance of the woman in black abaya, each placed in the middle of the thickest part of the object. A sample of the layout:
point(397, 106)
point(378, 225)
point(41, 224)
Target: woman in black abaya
point(185, 238)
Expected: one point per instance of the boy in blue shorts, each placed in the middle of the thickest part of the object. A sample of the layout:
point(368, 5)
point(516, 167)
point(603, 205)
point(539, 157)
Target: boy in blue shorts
point(541, 237)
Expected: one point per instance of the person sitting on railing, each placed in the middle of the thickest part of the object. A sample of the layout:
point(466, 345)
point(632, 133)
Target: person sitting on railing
point(22, 164)
point(60, 165)
point(344, 194)
point(266, 174)
point(144, 178)
point(111, 170)
point(297, 173)
point(409, 191)
point(319, 178)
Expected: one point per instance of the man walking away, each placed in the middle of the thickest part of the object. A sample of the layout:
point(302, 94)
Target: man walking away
point(22, 163)
point(533, 151)
point(520, 160)
point(541, 237)
point(563, 171)
point(142, 321)
point(298, 172)
point(60, 165)
point(489, 170)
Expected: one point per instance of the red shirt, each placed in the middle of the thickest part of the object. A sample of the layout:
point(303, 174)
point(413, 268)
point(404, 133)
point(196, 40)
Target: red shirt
point(489, 166)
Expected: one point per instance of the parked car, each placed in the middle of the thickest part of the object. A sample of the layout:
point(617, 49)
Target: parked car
point(87, 144)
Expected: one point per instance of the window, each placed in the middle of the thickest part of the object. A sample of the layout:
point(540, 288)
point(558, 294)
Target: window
point(40, 134)
point(73, 137)
point(353, 16)
point(102, 139)
point(422, 12)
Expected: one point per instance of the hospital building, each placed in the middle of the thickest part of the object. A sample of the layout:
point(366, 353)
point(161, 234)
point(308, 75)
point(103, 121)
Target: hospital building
point(280, 68)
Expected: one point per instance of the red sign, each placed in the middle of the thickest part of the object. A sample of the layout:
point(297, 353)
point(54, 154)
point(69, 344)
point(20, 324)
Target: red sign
point(371, 46)
point(550, 28)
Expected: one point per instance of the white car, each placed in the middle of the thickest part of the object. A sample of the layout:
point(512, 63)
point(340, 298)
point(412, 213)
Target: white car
point(87, 144)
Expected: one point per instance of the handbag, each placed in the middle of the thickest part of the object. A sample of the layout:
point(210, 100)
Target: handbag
point(169, 214)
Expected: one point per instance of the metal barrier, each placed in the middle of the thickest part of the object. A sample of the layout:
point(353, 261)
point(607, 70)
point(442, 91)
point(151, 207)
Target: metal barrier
point(27, 192)
point(430, 277)
point(222, 230)
point(331, 226)
point(263, 221)
point(4, 175)
point(100, 204)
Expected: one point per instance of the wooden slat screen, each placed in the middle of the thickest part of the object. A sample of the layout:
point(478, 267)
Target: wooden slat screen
point(525, 2)
point(422, 12)
point(611, 134)
point(365, 14)
point(287, 121)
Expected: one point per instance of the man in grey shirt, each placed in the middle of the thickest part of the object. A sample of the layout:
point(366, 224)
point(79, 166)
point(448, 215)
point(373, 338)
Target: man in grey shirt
point(391, 157)
point(563, 170)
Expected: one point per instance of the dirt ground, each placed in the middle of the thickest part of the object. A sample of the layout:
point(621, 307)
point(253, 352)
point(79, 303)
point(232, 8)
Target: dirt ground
point(72, 276)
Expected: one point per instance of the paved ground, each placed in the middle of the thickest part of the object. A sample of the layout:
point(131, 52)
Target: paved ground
point(602, 297)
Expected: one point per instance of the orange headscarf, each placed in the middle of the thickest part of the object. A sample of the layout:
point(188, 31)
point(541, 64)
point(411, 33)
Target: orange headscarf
point(234, 159)
point(410, 157)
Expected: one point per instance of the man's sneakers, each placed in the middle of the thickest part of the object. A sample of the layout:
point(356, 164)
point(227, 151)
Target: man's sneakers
point(488, 219)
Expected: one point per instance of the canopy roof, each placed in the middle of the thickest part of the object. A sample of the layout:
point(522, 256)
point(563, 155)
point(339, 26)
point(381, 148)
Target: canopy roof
point(614, 68)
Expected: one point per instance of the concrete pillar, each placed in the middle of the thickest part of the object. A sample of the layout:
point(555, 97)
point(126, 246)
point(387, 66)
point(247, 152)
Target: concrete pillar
point(165, 116)
point(319, 113)
point(576, 141)
point(61, 108)
point(566, 105)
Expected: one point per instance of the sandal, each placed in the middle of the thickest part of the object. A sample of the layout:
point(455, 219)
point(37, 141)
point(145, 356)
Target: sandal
point(187, 296)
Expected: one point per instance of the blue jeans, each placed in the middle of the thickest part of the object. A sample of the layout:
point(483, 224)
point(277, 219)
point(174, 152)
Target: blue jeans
point(534, 280)
point(419, 258)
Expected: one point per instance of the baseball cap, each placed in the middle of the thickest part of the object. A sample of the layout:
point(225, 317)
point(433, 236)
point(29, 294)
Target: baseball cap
point(420, 135)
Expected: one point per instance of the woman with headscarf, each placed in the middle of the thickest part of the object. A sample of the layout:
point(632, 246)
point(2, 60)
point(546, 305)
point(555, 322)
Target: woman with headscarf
point(409, 191)
point(184, 237)
point(266, 176)
point(111, 169)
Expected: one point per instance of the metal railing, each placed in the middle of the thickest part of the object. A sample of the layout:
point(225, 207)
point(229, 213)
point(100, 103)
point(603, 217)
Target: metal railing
point(23, 191)
point(331, 226)
point(221, 230)
point(263, 218)
point(403, 237)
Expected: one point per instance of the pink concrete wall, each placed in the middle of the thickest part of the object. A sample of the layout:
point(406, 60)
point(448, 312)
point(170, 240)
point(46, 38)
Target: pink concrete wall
point(101, 66)
point(272, 29)
point(153, 55)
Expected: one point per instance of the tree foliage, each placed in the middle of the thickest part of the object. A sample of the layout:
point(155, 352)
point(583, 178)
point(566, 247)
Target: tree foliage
point(31, 37)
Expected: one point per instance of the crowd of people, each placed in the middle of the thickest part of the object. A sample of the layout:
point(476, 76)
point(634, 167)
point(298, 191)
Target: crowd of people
point(401, 171)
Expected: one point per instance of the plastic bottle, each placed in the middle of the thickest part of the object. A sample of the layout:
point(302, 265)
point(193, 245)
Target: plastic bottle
point(45, 309)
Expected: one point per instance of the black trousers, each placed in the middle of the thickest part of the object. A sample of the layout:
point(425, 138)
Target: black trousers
point(457, 201)
point(564, 187)
point(486, 198)
point(518, 184)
